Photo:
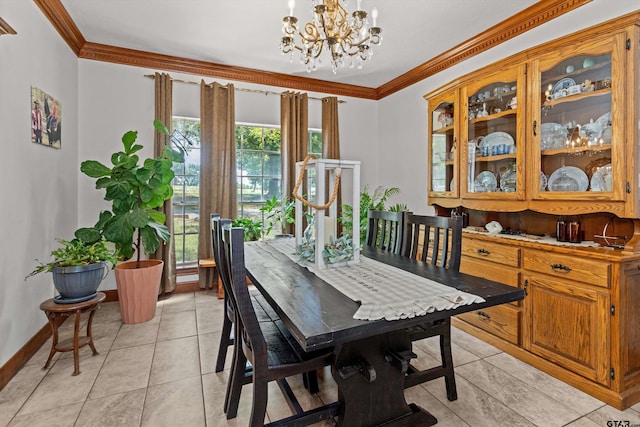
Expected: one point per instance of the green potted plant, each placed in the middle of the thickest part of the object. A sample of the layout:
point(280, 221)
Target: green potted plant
point(78, 268)
point(252, 229)
point(368, 201)
point(279, 212)
point(134, 224)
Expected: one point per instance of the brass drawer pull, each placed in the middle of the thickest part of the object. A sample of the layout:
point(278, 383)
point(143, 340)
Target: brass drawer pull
point(483, 315)
point(559, 268)
point(483, 252)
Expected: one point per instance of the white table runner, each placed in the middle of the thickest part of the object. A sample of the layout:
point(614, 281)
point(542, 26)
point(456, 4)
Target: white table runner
point(385, 292)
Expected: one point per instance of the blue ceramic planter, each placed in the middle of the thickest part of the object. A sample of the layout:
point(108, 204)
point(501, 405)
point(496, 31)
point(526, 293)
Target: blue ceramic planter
point(78, 282)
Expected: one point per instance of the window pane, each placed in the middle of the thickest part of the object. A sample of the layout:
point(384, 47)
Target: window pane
point(315, 142)
point(272, 165)
point(186, 135)
point(251, 163)
point(272, 188)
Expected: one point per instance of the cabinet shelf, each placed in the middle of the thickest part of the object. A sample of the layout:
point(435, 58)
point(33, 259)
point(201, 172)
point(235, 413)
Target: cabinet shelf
point(494, 98)
point(578, 72)
point(494, 116)
point(495, 158)
point(444, 130)
point(578, 96)
point(565, 150)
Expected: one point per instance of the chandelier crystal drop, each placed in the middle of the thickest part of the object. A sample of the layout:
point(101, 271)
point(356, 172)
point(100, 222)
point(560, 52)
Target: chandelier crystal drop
point(348, 38)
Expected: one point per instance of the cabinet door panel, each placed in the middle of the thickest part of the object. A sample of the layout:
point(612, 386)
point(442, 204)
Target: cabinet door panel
point(492, 135)
point(577, 122)
point(443, 145)
point(569, 325)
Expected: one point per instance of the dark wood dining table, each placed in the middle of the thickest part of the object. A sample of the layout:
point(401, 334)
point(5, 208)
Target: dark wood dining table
point(370, 356)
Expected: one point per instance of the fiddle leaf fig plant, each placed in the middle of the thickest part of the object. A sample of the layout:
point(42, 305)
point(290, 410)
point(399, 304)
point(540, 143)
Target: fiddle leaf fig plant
point(135, 191)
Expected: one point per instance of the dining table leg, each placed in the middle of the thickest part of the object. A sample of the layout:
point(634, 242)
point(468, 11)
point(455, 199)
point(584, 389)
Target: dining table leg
point(370, 377)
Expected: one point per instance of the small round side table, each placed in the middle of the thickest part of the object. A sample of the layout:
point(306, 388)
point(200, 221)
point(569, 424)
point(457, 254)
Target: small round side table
point(54, 310)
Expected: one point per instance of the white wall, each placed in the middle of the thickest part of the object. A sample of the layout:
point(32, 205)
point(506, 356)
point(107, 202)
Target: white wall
point(114, 99)
point(46, 196)
point(39, 183)
point(403, 115)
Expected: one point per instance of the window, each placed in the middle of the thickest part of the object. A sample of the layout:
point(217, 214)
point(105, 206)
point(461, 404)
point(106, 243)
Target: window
point(186, 191)
point(258, 155)
point(259, 170)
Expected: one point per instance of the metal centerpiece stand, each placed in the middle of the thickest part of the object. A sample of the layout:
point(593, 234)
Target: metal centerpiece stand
point(324, 226)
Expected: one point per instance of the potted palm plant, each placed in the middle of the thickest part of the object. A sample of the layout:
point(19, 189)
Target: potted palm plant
point(78, 267)
point(134, 224)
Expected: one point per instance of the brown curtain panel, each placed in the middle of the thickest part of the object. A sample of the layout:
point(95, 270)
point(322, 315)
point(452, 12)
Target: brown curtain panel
point(331, 142)
point(294, 128)
point(218, 181)
point(166, 252)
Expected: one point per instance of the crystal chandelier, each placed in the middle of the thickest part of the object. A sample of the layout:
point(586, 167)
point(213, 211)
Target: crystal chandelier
point(348, 39)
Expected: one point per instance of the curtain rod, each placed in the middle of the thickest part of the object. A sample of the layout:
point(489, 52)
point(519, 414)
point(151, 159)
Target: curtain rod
point(241, 89)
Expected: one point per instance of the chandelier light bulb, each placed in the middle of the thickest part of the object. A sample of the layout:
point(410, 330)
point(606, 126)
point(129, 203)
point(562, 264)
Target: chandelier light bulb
point(374, 16)
point(292, 4)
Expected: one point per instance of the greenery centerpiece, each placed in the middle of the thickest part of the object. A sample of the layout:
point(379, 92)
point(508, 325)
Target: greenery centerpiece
point(279, 211)
point(134, 224)
point(252, 229)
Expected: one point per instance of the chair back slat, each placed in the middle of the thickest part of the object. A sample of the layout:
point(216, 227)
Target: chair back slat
point(218, 255)
point(441, 239)
point(384, 230)
point(233, 257)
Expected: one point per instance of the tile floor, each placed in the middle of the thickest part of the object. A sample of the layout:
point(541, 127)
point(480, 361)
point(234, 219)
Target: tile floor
point(161, 373)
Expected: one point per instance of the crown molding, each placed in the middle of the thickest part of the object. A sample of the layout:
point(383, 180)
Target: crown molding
point(535, 15)
point(62, 22)
point(119, 55)
point(539, 13)
point(6, 28)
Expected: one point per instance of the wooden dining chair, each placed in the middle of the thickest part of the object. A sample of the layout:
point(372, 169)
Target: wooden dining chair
point(268, 346)
point(264, 311)
point(384, 230)
point(436, 240)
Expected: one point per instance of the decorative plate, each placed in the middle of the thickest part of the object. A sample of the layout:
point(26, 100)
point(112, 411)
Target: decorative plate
point(602, 178)
point(487, 181)
point(568, 178)
point(508, 181)
point(497, 138)
point(563, 84)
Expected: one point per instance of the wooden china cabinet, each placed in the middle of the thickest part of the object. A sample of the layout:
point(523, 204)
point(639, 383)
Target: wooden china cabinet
point(546, 143)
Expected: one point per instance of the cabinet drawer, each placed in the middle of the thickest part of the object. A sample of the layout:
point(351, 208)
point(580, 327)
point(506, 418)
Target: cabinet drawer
point(568, 267)
point(489, 270)
point(502, 321)
point(491, 251)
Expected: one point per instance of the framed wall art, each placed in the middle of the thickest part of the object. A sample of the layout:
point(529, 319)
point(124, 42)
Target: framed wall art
point(46, 119)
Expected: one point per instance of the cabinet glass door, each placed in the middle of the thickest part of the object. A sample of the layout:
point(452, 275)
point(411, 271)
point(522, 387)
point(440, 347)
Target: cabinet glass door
point(493, 137)
point(578, 125)
point(443, 158)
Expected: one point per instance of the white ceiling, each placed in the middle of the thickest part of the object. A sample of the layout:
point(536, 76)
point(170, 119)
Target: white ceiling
point(247, 33)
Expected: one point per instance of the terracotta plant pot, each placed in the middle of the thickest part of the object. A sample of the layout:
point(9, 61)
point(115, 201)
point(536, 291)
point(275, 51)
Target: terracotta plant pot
point(138, 286)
